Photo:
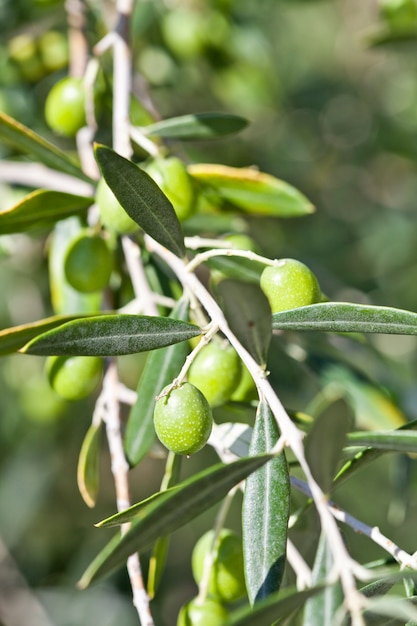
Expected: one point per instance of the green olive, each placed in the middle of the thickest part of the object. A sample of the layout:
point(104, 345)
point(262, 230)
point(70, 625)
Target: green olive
point(171, 176)
point(74, 377)
point(88, 263)
point(227, 579)
point(112, 214)
point(246, 389)
point(216, 371)
point(183, 419)
point(64, 106)
point(210, 612)
point(289, 284)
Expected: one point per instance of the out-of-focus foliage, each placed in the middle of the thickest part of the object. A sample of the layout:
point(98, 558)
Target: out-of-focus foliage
point(331, 114)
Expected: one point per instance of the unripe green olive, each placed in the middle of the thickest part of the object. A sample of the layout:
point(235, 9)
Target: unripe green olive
point(216, 371)
point(171, 176)
point(88, 263)
point(210, 612)
point(227, 578)
point(112, 214)
point(289, 284)
point(183, 419)
point(246, 389)
point(64, 106)
point(74, 377)
point(240, 241)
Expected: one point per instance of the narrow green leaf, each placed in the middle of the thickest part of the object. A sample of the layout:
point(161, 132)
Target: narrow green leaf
point(171, 510)
point(88, 470)
point(252, 191)
point(161, 367)
point(19, 136)
point(40, 209)
point(392, 441)
point(197, 126)
point(320, 610)
point(325, 442)
point(248, 313)
point(363, 458)
point(14, 338)
point(142, 199)
point(112, 335)
point(272, 609)
point(345, 317)
point(265, 513)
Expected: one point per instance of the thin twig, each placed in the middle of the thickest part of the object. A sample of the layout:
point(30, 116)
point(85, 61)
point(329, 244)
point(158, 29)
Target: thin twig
point(120, 471)
point(37, 175)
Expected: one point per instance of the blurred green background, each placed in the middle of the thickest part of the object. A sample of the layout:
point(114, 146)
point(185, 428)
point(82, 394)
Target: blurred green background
point(332, 115)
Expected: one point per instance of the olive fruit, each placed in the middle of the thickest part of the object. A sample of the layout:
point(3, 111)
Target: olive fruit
point(172, 178)
point(227, 578)
point(246, 389)
point(209, 612)
point(74, 377)
point(64, 106)
point(240, 241)
point(216, 371)
point(88, 263)
point(183, 419)
point(112, 214)
point(289, 284)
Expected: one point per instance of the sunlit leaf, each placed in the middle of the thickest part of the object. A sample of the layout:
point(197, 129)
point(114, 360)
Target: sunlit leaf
point(19, 136)
point(265, 513)
point(88, 465)
point(252, 191)
point(347, 317)
point(197, 126)
point(325, 442)
point(40, 209)
point(248, 313)
point(142, 199)
point(161, 367)
point(171, 510)
point(320, 610)
point(112, 335)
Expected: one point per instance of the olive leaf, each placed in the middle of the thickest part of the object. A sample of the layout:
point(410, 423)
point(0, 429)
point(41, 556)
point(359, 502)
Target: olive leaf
point(29, 142)
point(265, 512)
point(142, 199)
point(111, 335)
point(40, 209)
point(197, 126)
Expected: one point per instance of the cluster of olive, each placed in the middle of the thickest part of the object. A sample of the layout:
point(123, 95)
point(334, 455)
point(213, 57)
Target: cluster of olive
point(226, 580)
point(183, 415)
